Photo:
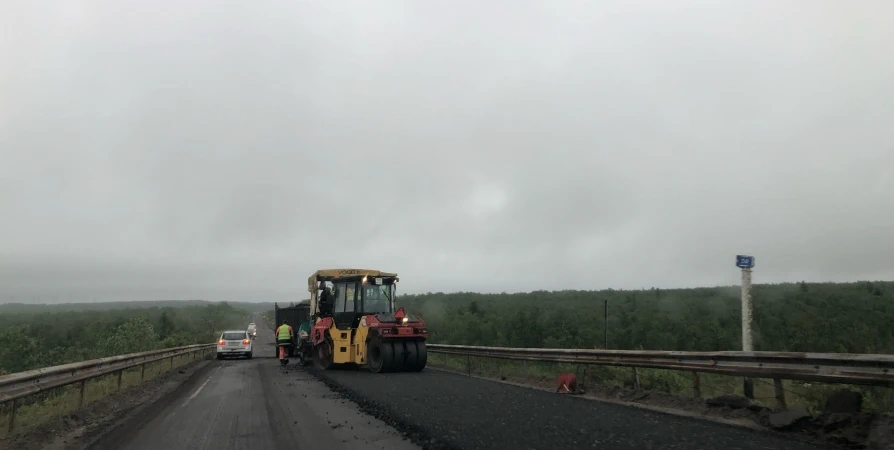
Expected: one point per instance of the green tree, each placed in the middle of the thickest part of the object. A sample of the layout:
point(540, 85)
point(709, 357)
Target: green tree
point(135, 335)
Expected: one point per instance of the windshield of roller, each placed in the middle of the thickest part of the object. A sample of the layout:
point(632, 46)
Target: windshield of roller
point(376, 298)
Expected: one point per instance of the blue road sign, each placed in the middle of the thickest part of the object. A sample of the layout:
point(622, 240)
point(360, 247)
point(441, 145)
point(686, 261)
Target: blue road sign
point(745, 262)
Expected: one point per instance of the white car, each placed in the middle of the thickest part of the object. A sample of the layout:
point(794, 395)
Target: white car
point(234, 343)
point(252, 330)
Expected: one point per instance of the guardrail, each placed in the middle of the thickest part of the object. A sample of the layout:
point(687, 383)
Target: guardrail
point(844, 368)
point(23, 384)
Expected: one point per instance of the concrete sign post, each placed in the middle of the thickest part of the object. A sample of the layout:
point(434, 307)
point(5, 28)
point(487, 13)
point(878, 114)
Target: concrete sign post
point(746, 263)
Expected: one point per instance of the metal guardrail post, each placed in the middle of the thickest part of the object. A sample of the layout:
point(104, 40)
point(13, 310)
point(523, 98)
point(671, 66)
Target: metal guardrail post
point(12, 416)
point(171, 365)
point(696, 385)
point(780, 393)
point(120, 375)
point(636, 378)
point(81, 393)
point(142, 372)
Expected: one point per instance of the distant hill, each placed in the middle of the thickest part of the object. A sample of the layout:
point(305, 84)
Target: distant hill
point(14, 308)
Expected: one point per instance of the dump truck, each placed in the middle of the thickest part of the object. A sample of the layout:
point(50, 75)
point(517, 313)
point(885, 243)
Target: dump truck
point(355, 322)
point(298, 316)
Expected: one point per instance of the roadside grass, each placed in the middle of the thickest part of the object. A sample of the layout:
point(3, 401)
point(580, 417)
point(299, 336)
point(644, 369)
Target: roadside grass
point(811, 396)
point(40, 408)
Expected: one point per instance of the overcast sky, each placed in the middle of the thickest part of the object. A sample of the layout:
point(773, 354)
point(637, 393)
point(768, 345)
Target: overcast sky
point(226, 149)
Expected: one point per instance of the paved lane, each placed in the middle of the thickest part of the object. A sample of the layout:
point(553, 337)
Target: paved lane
point(255, 404)
point(458, 412)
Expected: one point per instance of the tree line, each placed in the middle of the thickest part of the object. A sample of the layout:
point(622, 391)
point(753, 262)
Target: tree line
point(816, 317)
point(30, 340)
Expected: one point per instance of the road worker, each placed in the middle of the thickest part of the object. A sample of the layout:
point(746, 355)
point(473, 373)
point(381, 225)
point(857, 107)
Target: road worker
point(284, 335)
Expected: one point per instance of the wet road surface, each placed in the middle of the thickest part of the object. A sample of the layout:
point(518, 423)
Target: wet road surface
point(255, 404)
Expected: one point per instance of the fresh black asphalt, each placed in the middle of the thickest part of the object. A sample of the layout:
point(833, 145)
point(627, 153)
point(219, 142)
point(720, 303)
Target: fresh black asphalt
point(451, 411)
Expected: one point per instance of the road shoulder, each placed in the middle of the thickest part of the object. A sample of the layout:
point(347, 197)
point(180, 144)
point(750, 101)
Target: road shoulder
point(80, 429)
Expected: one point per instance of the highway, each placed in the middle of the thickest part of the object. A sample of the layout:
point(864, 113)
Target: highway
point(255, 404)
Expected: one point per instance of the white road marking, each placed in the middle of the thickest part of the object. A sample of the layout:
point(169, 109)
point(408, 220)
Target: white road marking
point(194, 394)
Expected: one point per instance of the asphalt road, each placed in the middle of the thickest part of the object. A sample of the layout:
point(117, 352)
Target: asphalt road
point(454, 411)
point(255, 404)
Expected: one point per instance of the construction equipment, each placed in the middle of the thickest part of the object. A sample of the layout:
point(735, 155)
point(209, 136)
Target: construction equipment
point(298, 316)
point(355, 322)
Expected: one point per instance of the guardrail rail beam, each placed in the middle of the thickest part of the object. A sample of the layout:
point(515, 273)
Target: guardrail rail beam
point(845, 368)
point(23, 384)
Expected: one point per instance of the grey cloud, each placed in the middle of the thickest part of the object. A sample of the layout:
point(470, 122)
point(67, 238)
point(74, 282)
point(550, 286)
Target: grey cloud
point(228, 150)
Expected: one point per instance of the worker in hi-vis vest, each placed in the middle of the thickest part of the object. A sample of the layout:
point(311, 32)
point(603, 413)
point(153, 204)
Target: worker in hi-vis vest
point(284, 335)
